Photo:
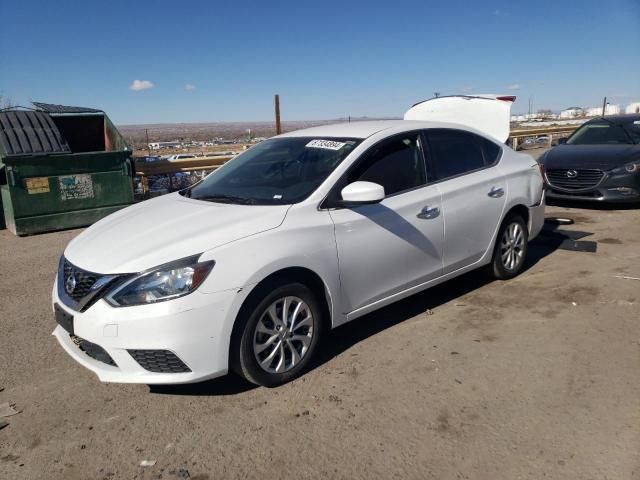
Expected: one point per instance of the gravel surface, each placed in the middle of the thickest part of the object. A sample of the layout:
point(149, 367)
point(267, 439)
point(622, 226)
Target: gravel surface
point(538, 377)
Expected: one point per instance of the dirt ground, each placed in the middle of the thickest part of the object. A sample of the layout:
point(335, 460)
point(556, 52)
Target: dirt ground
point(537, 377)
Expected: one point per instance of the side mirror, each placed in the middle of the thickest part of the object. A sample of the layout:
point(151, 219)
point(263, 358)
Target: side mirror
point(361, 193)
point(562, 141)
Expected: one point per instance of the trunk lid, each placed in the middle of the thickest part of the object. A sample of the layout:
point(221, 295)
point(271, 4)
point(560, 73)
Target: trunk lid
point(489, 114)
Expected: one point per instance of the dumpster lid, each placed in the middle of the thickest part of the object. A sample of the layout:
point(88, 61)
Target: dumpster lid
point(53, 108)
point(26, 132)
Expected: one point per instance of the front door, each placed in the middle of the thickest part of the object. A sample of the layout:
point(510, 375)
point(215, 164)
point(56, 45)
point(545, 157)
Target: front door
point(386, 247)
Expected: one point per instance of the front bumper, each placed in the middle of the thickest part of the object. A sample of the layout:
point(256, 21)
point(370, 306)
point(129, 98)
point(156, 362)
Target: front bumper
point(620, 188)
point(195, 328)
point(536, 216)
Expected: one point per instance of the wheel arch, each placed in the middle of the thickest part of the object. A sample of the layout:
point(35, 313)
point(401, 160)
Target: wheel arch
point(518, 209)
point(303, 275)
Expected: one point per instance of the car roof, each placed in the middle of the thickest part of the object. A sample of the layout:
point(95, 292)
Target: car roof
point(623, 117)
point(365, 129)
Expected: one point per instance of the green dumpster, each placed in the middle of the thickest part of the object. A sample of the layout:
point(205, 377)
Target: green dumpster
point(61, 167)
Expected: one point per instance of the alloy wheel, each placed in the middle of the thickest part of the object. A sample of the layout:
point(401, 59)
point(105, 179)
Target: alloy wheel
point(512, 246)
point(283, 334)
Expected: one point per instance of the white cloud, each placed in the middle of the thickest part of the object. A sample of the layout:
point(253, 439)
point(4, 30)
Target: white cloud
point(514, 86)
point(138, 85)
point(188, 86)
point(467, 89)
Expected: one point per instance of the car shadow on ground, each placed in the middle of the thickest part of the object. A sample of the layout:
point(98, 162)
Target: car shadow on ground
point(346, 336)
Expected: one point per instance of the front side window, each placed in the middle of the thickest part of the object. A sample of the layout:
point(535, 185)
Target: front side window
point(606, 132)
point(455, 152)
point(396, 164)
point(279, 171)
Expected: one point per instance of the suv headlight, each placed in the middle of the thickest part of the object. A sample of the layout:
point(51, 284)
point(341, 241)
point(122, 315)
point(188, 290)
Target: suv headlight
point(165, 282)
point(632, 167)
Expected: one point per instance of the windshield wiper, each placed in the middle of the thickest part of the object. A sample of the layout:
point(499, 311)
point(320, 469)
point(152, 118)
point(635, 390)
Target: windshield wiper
point(226, 199)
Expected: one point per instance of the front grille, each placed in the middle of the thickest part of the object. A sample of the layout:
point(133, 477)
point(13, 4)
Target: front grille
point(94, 351)
point(79, 289)
point(159, 361)
point(566, 179)
point(84, 280)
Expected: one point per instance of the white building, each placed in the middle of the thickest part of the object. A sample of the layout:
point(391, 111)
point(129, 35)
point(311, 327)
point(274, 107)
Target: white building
point(597, 111)
point(159, 145)
point(633, 108)
point(572, 112)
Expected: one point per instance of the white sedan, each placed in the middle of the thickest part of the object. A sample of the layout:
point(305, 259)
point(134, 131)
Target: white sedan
point(249, 268)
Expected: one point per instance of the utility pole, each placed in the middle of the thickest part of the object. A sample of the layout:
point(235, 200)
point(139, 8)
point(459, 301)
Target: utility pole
point(604, 106)
point(277, 107)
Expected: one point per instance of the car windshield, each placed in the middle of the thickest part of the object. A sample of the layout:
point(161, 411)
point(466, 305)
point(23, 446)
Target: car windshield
point(279, 171)
point(607, 132)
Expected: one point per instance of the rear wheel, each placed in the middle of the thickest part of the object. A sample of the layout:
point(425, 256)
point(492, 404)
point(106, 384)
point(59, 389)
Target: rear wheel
point(278, 335)
point(510, 251)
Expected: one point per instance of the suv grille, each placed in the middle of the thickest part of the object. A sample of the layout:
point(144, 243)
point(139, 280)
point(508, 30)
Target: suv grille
point(569, 179)
point(159, 361)
point(84, 280)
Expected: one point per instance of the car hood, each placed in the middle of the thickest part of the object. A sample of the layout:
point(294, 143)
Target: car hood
point(603, 157)
point(164, 229)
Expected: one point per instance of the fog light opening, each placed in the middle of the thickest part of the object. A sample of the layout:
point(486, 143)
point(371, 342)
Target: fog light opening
point(624, 190)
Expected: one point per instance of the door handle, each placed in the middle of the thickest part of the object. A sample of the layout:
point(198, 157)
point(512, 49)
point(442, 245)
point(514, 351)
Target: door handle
point(428, 213)
point(496, 192)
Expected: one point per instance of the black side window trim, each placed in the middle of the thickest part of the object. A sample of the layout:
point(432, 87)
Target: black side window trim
point(426, 142)
point(330, 201)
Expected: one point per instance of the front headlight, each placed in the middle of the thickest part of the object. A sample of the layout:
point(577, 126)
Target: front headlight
point(632, 167)
point(165, 282)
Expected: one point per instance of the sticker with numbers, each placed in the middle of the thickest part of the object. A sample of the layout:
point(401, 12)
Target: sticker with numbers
point(75, 187)
point(326, 144)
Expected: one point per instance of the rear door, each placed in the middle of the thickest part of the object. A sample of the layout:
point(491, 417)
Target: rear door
point(385, 247)
point(473, 189)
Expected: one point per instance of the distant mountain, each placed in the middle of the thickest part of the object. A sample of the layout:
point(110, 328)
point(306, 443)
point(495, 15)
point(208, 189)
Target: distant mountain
point(158, 132)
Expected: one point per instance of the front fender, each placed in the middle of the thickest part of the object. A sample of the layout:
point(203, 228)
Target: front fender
point(305, 240)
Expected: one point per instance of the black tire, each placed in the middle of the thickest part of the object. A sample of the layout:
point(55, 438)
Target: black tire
point(504, 269)
point(244, 361)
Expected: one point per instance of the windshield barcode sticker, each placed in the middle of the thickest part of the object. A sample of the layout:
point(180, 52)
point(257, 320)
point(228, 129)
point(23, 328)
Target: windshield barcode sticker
point(326, 144)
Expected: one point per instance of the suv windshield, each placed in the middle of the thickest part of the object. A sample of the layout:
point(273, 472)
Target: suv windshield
point(274, 172)
point(607, 132)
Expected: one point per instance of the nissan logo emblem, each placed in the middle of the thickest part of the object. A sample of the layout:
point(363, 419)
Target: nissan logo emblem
point(572, 173)
point(70, 284)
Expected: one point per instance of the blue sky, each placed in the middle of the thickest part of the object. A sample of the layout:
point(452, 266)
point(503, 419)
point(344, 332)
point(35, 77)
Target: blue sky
point(223, 61)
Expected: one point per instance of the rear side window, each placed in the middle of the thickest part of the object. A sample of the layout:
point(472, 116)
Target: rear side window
point(455, 152)
point(396, 164)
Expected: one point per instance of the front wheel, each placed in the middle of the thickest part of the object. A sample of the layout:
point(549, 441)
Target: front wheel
point(510, 251)
point(278, 336)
